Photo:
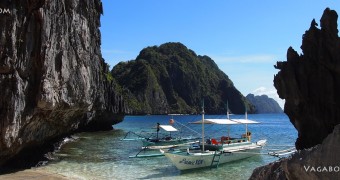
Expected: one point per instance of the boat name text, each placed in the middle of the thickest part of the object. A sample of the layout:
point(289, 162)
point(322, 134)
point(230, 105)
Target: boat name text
point(196, 162)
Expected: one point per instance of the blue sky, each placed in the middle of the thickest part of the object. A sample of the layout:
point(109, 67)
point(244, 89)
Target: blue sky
point(245, 38)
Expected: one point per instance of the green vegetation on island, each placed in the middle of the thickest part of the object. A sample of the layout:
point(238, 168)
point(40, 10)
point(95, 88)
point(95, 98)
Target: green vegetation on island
point(172, 79)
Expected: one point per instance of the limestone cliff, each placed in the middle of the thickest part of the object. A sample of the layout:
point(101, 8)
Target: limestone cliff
point(52, 75)
point(310, 83)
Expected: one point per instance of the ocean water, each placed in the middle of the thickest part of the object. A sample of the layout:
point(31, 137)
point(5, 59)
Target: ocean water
point(102, 155)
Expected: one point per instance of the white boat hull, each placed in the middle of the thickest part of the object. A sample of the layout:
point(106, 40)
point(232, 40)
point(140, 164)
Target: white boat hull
point(186, 161)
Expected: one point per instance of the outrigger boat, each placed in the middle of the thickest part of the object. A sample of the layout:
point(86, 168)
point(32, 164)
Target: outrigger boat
point(161, 141)
point(213, 152)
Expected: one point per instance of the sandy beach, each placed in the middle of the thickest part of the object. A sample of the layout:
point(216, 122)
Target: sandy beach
point(35, 174)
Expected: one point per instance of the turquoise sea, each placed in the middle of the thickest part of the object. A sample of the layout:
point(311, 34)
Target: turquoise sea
point(102, 155)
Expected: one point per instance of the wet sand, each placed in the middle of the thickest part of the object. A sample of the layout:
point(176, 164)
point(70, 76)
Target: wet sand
point(34, 174)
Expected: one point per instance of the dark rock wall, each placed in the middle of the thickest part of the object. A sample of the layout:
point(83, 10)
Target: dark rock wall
point(310, 83)
point(52, 75)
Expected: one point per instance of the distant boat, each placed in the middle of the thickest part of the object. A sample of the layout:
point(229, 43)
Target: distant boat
point(215, 152)
point(166, 141)
point(161, 141)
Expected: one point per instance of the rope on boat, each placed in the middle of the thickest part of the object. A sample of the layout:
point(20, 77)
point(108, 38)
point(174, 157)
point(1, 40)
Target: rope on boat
point(188, 128)
point(130, 132)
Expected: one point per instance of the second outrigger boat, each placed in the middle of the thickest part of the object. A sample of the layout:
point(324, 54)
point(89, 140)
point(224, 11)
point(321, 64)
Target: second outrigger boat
point(160, 140)
point(215, 152)
point(166, 141)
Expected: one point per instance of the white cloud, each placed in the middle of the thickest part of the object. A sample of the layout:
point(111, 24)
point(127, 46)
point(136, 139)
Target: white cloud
point(264, 90)
point(272, 93)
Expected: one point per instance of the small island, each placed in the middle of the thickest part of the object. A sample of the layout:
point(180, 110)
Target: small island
point(264, 104)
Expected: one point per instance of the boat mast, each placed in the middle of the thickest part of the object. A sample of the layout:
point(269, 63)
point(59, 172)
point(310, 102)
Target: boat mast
point(203, 125)
point(227, 110)
point(228, 118)
point(157, 129)
point(246, 114)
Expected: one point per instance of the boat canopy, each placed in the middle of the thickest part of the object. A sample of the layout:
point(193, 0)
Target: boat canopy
point(225, 121)
point(168, 128)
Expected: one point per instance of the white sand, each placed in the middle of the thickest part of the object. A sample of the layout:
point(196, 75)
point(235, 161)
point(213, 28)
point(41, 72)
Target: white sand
point(34, 174)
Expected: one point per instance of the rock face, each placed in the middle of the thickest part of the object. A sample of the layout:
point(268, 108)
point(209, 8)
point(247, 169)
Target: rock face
point(264, 104)
point(52, 76)
point(172, 79)
point(320, 162)
point(310, 83)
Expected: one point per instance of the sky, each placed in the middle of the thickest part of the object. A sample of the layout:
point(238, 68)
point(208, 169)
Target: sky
point(244, 38)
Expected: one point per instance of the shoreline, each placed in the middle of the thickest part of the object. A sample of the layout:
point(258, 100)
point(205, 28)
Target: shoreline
point(34, 173)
